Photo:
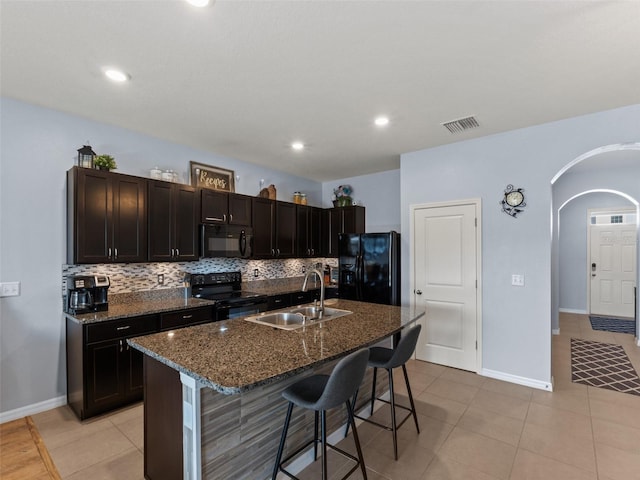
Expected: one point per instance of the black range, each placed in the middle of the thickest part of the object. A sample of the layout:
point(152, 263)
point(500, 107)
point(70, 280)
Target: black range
point(225, 288)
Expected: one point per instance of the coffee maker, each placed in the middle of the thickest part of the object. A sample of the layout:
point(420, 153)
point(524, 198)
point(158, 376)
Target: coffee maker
point(87, 293)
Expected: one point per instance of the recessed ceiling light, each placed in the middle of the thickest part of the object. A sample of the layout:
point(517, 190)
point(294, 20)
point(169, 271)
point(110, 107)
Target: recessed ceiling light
point(198, 3)
point(116, 75)
point(381, 121)
point(297, 146)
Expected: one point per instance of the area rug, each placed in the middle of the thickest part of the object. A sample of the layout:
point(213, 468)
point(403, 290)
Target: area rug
point(603, 365)
point(610, 324)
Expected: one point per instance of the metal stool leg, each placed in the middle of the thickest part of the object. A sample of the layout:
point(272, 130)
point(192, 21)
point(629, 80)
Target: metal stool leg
point(355, 398)
point(323, 428)
point(315, 435)
point(352, 421)
point(413, 407)
point(373, 388)
point(394, 428)
point(276, 468)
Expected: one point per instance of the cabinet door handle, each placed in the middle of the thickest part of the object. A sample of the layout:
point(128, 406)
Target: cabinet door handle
point(120, 346)
point(313, 252)
point(278, 301)
point(187, 317)
point(231, 217)
point(277, 252)
point(109, 253)
point(224, 217)
point(214, 219)
point(177, 252)
point(126, 327)
point(115, 253)
point(273, 252)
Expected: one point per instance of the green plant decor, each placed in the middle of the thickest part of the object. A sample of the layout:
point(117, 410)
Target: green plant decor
point(105, 162)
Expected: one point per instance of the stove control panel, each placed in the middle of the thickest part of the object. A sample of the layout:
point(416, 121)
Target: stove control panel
point(215, 278)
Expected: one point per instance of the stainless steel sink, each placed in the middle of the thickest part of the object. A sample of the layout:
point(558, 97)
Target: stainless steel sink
point(313, 312)
point(297, 317)
point(284, 320)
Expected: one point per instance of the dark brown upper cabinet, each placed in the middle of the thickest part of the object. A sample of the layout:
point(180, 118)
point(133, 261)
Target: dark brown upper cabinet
point(274, 228)
point(225, 208)
point(173, 222)
point(309, 231)
point(342, 220)
point(106, 217)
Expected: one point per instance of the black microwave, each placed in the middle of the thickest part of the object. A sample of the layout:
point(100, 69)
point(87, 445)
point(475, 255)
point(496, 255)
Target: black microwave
point(225, 241)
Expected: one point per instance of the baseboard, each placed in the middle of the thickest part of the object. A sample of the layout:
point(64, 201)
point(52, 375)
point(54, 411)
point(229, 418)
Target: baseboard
point(527, 382)
point(555, 331)
point(33, 409)
point(573, 310)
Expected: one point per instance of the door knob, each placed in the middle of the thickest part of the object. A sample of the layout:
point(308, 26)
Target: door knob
point(418, 292)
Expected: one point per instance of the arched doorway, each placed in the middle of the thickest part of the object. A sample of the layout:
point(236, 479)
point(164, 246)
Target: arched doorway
point(611, 170)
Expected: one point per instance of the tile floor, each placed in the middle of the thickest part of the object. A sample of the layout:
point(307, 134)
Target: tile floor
point(472, 428)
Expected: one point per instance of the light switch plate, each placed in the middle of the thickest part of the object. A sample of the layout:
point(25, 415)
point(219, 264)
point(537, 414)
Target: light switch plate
point(10, 289)
point(517, 280)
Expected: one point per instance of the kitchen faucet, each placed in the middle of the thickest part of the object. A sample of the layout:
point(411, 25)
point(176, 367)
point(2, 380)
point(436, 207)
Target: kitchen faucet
point(304, 286)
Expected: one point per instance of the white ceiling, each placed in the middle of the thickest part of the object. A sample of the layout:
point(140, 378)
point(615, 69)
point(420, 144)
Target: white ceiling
point(244, 79)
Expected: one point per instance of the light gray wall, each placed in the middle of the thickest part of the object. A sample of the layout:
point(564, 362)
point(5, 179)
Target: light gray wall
point(37, 147)
point(378, 192)
point(516, 321)
point(573, 246)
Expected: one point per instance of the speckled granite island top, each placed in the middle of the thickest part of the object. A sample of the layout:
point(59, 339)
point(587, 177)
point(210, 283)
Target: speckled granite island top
point(235, 356)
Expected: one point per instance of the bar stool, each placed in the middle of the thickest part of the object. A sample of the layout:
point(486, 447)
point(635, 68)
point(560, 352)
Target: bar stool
point(321, 393)
point(387, 358)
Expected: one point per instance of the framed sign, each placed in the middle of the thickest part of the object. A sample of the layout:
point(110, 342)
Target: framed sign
point(215, 178)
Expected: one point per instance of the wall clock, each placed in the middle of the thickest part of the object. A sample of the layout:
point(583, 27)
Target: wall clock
point(513, 201)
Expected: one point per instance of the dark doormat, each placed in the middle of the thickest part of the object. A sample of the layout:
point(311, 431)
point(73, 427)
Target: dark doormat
point(603, 365)
point(610, 324)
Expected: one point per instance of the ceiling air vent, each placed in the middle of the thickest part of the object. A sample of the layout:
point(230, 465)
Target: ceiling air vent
point(460, 125)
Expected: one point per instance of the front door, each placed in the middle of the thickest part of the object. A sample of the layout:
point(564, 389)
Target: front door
point(446, 244)
point(613, 269)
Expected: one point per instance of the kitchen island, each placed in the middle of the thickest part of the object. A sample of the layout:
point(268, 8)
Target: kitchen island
point(217, 388)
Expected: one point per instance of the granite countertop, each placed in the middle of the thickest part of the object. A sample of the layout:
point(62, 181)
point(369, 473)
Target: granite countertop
point(235, 356)
point(278, 286)
point(127, 305)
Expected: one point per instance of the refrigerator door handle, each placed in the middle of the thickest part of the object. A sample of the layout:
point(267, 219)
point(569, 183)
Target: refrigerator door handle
point(359, 276)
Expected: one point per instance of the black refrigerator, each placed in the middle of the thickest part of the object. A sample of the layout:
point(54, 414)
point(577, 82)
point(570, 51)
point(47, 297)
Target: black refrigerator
point(369, 267)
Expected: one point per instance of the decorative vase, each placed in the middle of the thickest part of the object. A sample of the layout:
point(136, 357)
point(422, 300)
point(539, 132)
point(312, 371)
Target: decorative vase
point(344, 201)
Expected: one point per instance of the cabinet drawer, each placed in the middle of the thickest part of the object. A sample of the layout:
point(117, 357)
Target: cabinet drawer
point(127, 327)
point(298, 298)
point(278, 301)
point(184, 318)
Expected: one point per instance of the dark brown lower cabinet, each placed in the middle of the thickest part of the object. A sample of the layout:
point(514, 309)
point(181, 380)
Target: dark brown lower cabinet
point(162, 422)
point(103, 372)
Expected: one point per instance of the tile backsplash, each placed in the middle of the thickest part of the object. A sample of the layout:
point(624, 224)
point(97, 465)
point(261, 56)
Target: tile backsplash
point(136, 277)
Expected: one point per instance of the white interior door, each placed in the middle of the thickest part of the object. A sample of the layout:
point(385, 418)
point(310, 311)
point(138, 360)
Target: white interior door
point(613, 269)
point(446, 243)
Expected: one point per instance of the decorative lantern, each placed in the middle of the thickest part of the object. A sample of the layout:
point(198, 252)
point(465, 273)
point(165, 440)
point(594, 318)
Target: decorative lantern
point(86, 156)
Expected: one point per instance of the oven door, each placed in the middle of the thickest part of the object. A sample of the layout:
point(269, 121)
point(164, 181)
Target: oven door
point(243, 308)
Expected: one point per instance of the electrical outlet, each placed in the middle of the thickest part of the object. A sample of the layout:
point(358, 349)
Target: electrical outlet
point(517, 280)
point(10, 289)
point(161, 279)
point(255, 272)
